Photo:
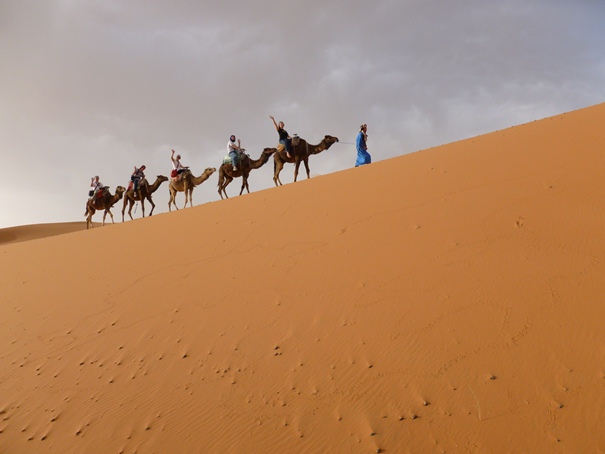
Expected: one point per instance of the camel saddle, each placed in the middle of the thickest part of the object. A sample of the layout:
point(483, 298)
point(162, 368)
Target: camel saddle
point(176, 176)
point(227, 159)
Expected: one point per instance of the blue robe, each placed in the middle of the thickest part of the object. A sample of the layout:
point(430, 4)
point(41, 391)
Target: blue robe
point(363, 157)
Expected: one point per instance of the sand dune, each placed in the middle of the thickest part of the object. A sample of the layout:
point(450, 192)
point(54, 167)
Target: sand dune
point(35, 231)
point(448, 300)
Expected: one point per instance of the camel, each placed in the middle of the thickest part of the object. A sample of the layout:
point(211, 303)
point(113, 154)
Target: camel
point(144, 191)
point(186, 184)
point(226, 174)
point(301, 152)
point(105, 202)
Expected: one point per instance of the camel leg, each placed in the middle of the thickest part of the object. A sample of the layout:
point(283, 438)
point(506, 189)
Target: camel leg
point(130, 205)
point(279, 165)
point(186, 192)
point(127, 200)
point(296, 166)
point(89, 219)
point(142, 205)
point(221, 181)
point(124, 207)
point(105, 214)
point(172, 199)
point(306, 161)
point(226, 183)
point(152, 206)
point(244, 185)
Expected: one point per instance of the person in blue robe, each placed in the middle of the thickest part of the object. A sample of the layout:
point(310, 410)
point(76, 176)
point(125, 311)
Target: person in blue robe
point(363, 157)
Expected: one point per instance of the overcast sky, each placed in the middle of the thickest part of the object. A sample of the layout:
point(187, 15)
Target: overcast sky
point(97, 87)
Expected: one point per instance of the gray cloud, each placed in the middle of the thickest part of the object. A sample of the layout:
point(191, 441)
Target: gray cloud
point(96, 88)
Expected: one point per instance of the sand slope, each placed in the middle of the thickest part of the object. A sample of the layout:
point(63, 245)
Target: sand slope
point(35, 231)
point(450, 300)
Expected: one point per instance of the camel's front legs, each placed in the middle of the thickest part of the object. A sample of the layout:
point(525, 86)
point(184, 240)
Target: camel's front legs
point(279, 165)
point(306, 161)
point(244, 185)
point(296, 166)
point(152, 206)
point(143, 206)
point(89, 221)
point(105, 214)
point(130, 205)
point(189, 196)
point(124, 207)
point(221, 190)
point(172, 200)
point(223, 186)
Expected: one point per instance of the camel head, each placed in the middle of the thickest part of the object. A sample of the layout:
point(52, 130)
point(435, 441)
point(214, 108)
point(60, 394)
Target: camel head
point(269, 151)
point(209, 171)
point(329, 140)
point(162, 178)
point(120, 190)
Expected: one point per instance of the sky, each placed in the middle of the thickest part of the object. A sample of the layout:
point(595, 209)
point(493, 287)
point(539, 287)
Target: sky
point(95, 88)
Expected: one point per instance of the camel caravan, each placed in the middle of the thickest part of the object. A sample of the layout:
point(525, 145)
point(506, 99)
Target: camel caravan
point(236, 164)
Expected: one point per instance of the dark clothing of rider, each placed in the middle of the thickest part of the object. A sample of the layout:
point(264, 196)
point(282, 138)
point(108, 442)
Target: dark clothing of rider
point(137, 176)
point(285, 139)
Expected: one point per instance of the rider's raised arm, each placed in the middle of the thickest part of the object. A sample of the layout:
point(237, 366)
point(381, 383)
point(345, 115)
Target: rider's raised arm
point(274, 123)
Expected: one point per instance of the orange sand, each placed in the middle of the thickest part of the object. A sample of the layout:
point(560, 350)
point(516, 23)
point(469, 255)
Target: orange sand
point(449, 300)
point(32, 232)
